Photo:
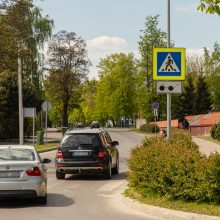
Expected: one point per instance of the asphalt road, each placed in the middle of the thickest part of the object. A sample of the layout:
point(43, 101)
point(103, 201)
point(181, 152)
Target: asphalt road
point(81, 197)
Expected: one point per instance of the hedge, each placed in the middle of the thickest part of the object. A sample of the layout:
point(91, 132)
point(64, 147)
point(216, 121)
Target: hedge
point(215, 131)
point(175, 169)
point(149, 128)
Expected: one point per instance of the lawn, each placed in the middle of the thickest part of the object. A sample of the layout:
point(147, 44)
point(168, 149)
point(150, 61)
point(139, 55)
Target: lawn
point(209, 138)
point(49, 145)
point(200, 208)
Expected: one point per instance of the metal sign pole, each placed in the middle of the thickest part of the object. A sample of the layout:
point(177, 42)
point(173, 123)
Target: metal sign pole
point(33, 124)
point(46, 121)
point(168, 94)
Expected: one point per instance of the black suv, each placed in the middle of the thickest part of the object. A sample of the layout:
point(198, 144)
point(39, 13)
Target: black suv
point(87, 151)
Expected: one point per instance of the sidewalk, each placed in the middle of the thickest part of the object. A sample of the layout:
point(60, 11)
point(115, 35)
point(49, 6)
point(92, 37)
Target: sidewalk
point(206, 147)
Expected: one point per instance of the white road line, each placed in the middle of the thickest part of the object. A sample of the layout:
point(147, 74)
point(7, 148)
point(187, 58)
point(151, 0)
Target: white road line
point(110, 186)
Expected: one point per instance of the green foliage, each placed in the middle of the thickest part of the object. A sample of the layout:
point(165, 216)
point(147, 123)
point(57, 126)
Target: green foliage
point(68, 68)
point(210, 6)
point(116, 89)
point(9, 103)
point(175, 169)
point(202, 96)
point(20, 21)
point(152, 36)
point(212, 131)
point(186, 102)
point(88, 104)
point(212, 60)
point(149, 128)
point(215, 131)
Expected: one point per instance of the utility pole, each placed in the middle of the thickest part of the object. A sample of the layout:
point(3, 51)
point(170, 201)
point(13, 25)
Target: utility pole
point(168, 94)
point(20, 97)
point(20, 90)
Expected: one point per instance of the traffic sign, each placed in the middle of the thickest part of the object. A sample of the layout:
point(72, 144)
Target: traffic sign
point(155, 105)
point(169, 64)
point(172, 87)
point(46, 106)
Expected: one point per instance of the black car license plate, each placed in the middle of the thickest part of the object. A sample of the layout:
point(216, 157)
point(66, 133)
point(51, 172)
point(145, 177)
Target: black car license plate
point(80, 153)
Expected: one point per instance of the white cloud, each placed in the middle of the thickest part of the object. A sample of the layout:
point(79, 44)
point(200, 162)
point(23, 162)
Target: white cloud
point(102, 46)
point(191, 52)
point(189, 8)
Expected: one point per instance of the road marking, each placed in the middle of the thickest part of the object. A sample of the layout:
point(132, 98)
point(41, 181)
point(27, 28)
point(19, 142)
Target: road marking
point(110, 186)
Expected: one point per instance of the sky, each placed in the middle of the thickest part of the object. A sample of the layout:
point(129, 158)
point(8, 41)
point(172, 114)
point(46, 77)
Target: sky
point(112, 26)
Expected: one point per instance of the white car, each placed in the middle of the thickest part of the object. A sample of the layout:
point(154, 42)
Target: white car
point(22, 173)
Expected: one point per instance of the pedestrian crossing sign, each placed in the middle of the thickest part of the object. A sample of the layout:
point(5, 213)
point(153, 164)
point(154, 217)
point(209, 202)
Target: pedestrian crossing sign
point(169, 64)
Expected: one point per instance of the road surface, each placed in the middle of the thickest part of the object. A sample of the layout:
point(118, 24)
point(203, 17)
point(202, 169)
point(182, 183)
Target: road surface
point(81, 197)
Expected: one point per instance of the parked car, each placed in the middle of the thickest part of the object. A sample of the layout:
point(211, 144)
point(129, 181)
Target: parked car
point(87, 151)
point(80, 125)
point(22, 173)
point(95, 124)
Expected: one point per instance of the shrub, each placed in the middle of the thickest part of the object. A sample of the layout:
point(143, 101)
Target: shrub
point(212, 131)
point(149, 128)
point(215, 131)
point(175, 169)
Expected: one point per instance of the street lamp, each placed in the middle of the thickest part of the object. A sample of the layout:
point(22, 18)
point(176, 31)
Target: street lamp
point(20, 91)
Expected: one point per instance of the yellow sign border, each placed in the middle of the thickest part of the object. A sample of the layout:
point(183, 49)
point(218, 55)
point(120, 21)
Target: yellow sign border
point(183, 64)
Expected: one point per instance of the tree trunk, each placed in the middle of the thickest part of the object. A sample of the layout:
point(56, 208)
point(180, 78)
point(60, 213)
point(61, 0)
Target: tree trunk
point(65, 115)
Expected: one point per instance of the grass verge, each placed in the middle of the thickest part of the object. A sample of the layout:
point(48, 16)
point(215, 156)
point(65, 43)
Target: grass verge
point(49, 145)
point(194, 207)
point(208, 138)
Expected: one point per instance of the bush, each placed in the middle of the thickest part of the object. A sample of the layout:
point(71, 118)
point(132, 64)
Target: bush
point(215, 131)
point(149, 128)
point(212, 131)
point(175, 169)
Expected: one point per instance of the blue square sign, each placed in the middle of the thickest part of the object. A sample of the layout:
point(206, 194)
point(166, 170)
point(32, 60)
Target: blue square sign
point(169, 64)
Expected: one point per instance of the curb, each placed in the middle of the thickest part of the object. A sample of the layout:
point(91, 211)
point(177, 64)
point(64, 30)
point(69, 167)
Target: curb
point(47, 150)
point(164, 212)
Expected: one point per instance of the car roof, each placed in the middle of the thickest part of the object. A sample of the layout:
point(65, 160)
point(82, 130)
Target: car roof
point(85, 131)
point(17, 146)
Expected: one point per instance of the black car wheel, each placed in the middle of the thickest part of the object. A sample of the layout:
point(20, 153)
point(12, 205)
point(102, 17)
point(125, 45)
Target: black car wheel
point(60, 175)
point(107, 173)
point(115, 170)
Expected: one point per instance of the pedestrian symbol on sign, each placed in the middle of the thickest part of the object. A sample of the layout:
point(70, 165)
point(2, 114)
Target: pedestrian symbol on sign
point(169, 65)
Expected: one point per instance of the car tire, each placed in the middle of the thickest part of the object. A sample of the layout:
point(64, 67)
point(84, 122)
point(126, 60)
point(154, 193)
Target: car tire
point(42, 200)
point(115, 170)
point(60, 176)
point(107, 173)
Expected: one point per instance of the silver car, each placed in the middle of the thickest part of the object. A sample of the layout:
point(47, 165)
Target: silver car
point(22, 173)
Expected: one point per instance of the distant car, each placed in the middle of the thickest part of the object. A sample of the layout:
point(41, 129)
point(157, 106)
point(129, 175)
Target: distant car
point(22, 173)
point(87, 151)
point(95, 124)
point(80, 125)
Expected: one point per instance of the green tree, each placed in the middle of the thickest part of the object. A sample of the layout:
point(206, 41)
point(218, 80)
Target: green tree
point(202, 96)
point(186, 101)
point(116, 89)
point(19, 20)
point(68, 66)
point(9, 103)
point(22, 23)
point(151, 37)
point(212, 70)
point(88, 103)
point(210, 6)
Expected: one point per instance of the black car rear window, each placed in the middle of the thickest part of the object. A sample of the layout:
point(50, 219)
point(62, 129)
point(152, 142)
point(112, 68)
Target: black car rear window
point(80, 140)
